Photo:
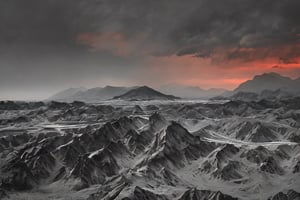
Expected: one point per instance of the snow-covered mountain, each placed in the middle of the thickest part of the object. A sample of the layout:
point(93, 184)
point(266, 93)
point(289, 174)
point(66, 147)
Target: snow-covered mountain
point(184, 151)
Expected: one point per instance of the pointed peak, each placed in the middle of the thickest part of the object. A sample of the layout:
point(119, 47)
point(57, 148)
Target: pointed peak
point(144, 93)
point(145, 87)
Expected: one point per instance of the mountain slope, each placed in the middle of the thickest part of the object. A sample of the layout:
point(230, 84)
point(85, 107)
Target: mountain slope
point(145, 93)
point(65, 94)
point(98, 94)
point(90, 95)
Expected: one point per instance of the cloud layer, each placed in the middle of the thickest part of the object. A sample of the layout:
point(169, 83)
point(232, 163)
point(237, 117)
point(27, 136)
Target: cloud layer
point(54, 43)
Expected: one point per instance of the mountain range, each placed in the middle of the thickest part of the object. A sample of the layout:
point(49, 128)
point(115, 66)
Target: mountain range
point(166, 92)
point(267, 85)
point(150, 151)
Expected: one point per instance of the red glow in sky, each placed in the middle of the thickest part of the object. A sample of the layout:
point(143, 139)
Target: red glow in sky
point(205, 73)
point(225, 68)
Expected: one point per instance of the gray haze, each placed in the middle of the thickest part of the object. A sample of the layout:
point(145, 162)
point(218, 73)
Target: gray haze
point(49, 45)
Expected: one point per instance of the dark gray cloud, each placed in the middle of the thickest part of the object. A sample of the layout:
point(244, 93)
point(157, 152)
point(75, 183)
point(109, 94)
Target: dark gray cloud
point(39, 38)
point(182, 27)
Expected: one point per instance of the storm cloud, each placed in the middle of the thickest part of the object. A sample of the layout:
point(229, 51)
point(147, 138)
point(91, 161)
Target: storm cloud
point(58, 43)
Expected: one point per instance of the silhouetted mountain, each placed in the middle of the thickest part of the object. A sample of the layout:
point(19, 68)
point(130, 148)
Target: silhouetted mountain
point(265, 86)
point(145, 93)
point(269, 81)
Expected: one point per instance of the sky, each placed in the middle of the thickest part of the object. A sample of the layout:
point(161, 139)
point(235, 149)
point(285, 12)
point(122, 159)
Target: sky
point(50, 45)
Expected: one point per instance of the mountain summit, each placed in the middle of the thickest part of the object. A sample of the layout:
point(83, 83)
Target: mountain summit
point(144, 93)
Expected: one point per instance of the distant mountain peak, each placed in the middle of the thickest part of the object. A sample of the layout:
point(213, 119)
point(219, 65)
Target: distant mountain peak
point(145, 93)
point(144, 87)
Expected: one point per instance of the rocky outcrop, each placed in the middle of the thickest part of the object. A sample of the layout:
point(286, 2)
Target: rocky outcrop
point(289, 195)
point(175, 146)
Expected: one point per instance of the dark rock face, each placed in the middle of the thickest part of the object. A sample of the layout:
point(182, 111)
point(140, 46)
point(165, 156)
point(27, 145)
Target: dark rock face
point(3, 194)
point(25, 168)
point(175, 145)
point(297, 168)
point(157, 122)
point(142, 194)
point(221, 165)
point(262, 134)
point(289, 195)
point(257, 155)
point(271, 166)
point(13, 105)
point(94, 168)
point(194, 194)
